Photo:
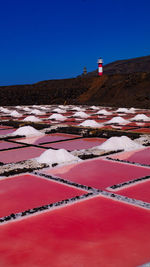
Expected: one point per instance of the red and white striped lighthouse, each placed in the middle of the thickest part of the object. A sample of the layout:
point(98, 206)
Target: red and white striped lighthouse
point(100, 67)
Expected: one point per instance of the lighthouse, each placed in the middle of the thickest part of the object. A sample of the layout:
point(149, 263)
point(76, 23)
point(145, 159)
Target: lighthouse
point(100, 67)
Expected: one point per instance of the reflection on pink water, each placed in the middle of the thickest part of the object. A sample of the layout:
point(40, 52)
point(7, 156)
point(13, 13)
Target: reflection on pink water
point(140, 191)
point(16, 155)
point(28, 191)
point(95, 232)
point(6, 145)
point(38, 140)
point(99, 173)
point(141, 156)
point(83, 143)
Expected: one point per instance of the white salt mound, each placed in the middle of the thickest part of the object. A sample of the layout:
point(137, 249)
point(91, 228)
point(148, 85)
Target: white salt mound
point(124, 110)
point(103, 112)
point(119, 143)
point(15, 114)
point(90, 123)
point(61, 106)
point(18, 107)
point(32, 119)
point(118, 120)
point(59, 110)
point(44, 108)
point(35, 106)
point(26, 109)
point(60, 156)
point(94, 107)
point(37, 112)
point(80, 114)
point(27, 131)
point(5, 110)
point(132, 110)
point(58, 117)
point(140, 117)
point(77, 108)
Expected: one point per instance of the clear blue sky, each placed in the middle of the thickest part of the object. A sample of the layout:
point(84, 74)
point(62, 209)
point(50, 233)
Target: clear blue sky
point(53, 39)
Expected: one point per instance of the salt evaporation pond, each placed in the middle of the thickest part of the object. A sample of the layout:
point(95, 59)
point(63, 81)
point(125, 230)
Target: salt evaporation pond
point(23, 192)
point(67, 222)
point(142, 130)
point(138, 190)
point(95, 232)
point(8, 145)
point(99, 173)
point(141, 156)
point(6, 131)
point(78, 144)
point(46, 138)
point(15, 155)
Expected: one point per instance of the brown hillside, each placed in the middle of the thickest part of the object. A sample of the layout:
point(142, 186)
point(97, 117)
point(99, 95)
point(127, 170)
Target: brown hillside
point(120, 89)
